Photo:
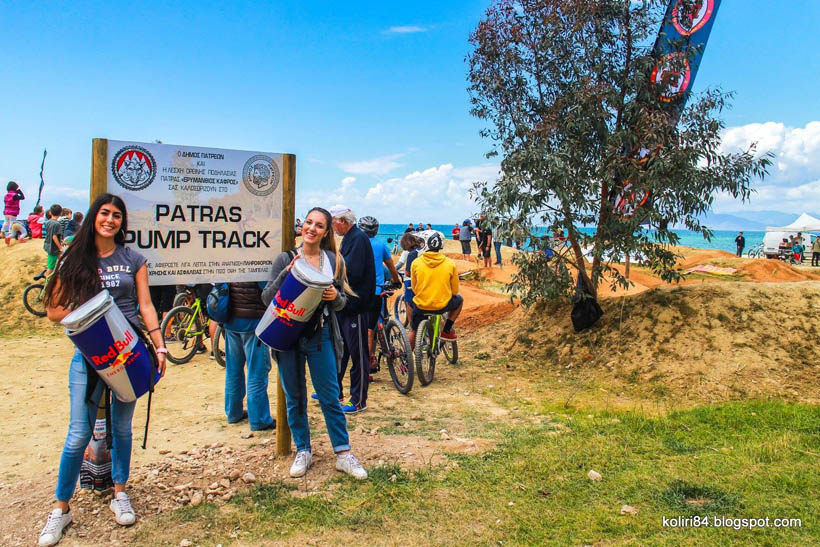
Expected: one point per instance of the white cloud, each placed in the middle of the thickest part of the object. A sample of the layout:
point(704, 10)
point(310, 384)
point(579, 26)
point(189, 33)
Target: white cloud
point(438, 195)
point(793, 184)
point(65, 191)
point(796, 149)
point(405, 29)
point(375, 166)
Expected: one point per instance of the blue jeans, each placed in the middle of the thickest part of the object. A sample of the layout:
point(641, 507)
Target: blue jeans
point(497, 245)
point(318, 352)
point(80, 428)
point(245, 348)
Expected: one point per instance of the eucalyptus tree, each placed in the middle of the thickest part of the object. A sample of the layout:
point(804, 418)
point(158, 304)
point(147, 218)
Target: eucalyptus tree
point(565, 89)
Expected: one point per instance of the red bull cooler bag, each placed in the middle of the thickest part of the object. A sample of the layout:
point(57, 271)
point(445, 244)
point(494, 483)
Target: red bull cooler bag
point(292, 307)
point(110, 343)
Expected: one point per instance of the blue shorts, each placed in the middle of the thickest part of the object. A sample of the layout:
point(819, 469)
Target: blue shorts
point(408, 295)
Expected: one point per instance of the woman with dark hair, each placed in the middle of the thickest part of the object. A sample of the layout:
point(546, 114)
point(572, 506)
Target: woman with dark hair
point(411, 245)
point(98, 260)
point(320, 344)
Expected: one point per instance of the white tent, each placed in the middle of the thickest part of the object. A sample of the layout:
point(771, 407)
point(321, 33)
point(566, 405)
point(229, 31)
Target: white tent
point(804, 223)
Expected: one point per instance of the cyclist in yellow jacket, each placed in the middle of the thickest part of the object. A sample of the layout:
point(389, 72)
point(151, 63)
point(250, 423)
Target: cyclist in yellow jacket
point(434, 279)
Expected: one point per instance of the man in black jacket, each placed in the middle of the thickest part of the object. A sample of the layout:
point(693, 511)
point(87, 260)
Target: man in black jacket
point(353, 319)
point(740, 241)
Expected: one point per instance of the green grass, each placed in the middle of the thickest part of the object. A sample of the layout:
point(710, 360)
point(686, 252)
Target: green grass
point(749, 459)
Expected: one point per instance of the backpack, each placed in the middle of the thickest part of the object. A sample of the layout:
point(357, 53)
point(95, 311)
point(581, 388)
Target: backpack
point(218, 303)
point(585, 308)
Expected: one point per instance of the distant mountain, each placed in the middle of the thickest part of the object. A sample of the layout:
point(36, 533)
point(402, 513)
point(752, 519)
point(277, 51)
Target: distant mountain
point(721, 221)
point(749, 220)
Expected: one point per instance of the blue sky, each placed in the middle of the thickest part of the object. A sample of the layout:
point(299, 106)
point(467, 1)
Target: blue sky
point(370, 96)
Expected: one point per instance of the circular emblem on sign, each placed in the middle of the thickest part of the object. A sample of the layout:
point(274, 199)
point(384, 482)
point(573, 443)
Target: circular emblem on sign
point(134, 167)
point(672, 75)
point(260, 175)
point(689, 16)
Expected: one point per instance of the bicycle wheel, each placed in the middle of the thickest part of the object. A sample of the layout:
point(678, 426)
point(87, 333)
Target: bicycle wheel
point(33, 299)
point(400, 310)
point(425, 353)
point(450, 349)
point(184, 334)
point(399, 356)
point(219, 346)
point(181, 299)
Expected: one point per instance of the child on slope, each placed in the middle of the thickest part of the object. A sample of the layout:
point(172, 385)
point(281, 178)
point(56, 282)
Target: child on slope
point(53, 237)
point(35, 222)
point(12, 206)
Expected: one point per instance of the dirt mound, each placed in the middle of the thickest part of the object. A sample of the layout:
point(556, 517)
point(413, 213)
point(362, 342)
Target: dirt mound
point(475, 318)
point(700, 343)
point(691, 256)
point(18, 265)
point(774, 270)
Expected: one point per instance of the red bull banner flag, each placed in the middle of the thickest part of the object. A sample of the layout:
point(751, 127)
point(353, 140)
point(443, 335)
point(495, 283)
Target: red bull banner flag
point(199, 215)
point(678, 51)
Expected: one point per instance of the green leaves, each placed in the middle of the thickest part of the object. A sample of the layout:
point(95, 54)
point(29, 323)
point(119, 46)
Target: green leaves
point(564, 88)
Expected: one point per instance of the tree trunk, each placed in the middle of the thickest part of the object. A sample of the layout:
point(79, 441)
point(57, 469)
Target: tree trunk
point(581, 264)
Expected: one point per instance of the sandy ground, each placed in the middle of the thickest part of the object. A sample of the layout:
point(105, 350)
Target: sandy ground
point(190, 443)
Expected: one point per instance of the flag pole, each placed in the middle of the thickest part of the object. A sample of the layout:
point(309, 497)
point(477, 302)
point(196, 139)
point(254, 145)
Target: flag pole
point(42, 182)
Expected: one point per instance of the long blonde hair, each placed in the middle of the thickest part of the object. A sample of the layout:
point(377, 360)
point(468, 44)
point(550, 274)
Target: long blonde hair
point(328, 243)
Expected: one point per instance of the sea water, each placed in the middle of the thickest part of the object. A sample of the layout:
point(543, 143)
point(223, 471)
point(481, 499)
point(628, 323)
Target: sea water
point(723, 240)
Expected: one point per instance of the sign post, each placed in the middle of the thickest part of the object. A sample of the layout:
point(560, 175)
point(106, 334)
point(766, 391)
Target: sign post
point(283, 439)
point(202, 215)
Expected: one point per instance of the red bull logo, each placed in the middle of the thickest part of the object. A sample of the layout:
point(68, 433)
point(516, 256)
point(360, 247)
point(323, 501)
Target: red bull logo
point(122, 358)
point(114, 351)
point(287, 309)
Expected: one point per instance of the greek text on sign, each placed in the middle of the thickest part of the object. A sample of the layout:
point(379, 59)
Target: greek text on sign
point(199, 215)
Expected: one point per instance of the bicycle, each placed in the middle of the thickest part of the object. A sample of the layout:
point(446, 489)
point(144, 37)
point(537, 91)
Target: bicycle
point(756, 251)
point(187, 325)
point(394, 346)
point(399, 309)
point(34, 295)
point(429, 344)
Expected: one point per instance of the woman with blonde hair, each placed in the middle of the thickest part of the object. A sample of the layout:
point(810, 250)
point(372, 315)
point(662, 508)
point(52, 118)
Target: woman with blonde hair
point(320, 345)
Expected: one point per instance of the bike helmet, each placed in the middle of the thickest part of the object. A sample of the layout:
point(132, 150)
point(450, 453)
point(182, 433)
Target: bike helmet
point(435, 243)
point(369, 225)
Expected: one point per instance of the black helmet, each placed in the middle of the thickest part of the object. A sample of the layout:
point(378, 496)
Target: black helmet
point(434, 243)
point(369, 225)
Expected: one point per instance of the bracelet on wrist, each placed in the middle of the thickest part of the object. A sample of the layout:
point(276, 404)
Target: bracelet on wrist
point(152, 330)
point(161, 350)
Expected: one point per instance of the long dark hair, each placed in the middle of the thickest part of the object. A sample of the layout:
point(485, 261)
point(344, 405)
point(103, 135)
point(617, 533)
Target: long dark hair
point(329, 243)
point(77, 268)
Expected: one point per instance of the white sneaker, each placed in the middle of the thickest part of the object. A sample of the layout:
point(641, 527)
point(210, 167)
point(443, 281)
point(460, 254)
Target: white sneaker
point(301, 463)
point(123, 512)
point(348, 463)
point(53, 531)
